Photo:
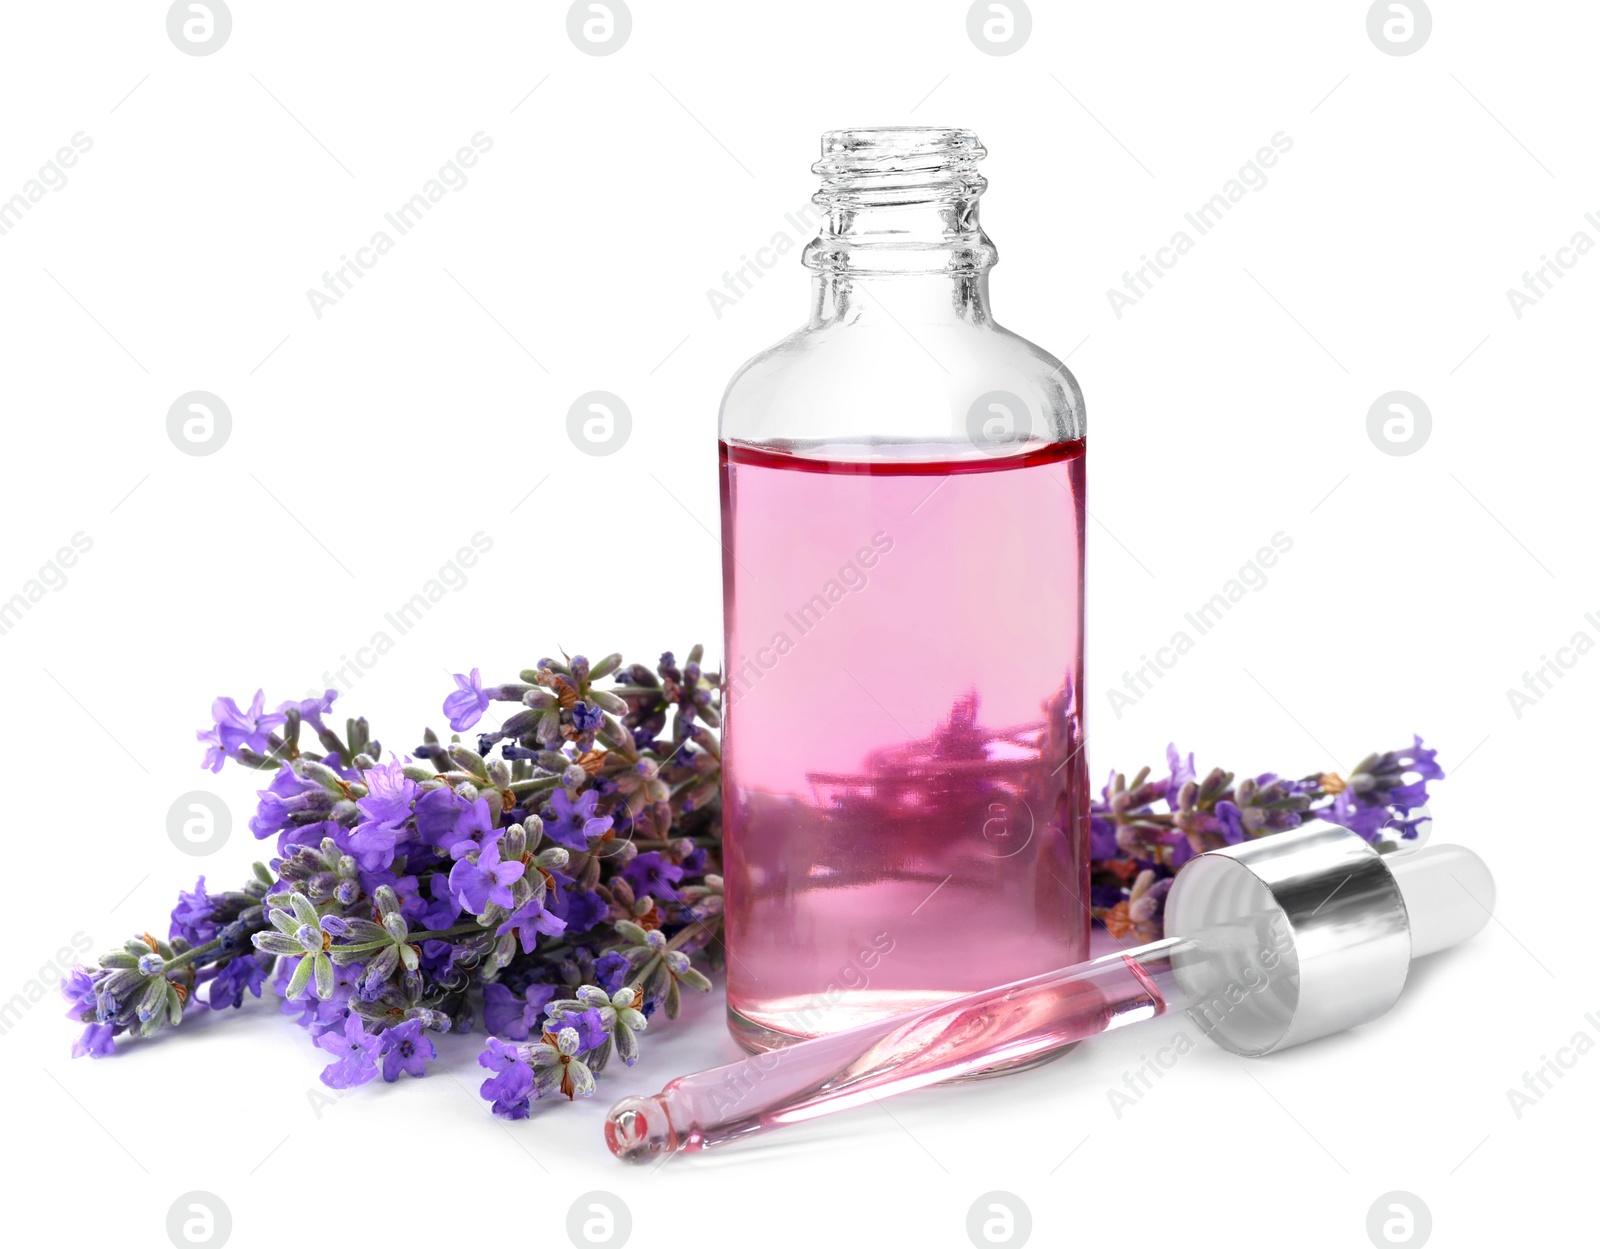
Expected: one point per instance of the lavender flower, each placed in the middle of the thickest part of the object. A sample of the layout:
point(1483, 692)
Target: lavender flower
point(466, 706)
point(529, 920)
point(511, 1085)
point(235, 730)
point(355, 1055)
point(480, 879)
point(654, 875)
point(512, 1015)
point(405, 1049)
point(573, 823)
point(1136, 847)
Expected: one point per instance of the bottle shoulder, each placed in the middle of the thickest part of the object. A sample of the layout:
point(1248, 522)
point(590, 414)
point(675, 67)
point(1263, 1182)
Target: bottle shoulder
point(891, 381)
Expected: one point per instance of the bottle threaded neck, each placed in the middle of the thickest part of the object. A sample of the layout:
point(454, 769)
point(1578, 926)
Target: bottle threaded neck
point(900, 199)
point(887, 165)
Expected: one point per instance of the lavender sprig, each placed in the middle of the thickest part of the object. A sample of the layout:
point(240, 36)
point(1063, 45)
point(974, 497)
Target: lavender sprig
point(1143, 829)
point(552, 881)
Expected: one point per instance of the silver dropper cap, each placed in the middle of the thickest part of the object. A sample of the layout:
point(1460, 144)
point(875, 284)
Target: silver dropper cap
point(1312, 931)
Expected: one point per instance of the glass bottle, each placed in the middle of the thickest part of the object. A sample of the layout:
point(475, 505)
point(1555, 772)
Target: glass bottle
point(904, 798)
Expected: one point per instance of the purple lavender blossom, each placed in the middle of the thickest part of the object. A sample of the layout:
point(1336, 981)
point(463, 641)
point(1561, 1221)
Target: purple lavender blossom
point(233, 980)
point(1102, 837)
point(95, 1042)
point(1180, 772)
point(191, 918)
point(655, 875)
point(373, 843)
point(477, 883)
point(1348, 811)
point(440, 959)
point(287, 795)
point(574, 823)
point(445, 909)
point(87, 1001)
point(465, 707)
point(235, 729)
point(354, 1051)
point(510, 1086)
point(582, 909)
point(591, 1029)
point(474, 829)
point(406, 1050)
point(508, 1015)
point(1231, 820)
point(438, 811)
point(528, 921)
point(390, 792)
point(311, 710)
point(79, 991)
point(611, 971)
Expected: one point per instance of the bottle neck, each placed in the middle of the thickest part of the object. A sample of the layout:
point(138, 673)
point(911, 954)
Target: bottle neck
point(900, 237)
point(843, 296)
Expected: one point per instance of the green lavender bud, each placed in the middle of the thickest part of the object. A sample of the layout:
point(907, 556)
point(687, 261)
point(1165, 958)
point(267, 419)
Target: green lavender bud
point(608, 702)
point(153, 1001)
point(606, 666)
point(121, 984)
point(386, 901)
point(321, 774)
point(469, 761)
point(521, 723)
point(505, 949)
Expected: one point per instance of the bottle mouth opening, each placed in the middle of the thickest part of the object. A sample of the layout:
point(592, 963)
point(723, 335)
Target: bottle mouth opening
point(889, 150)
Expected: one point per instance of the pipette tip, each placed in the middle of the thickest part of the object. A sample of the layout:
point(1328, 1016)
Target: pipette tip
point(639, 1129)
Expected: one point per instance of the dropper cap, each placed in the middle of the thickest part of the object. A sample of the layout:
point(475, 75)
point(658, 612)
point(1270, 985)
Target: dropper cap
point(1312, 931)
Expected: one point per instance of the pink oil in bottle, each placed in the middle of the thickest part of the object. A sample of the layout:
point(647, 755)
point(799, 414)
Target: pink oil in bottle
point(905, 799)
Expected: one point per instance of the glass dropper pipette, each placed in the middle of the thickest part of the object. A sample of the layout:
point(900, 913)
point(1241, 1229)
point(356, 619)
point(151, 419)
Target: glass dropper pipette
point(963, 1036)
point(1276, 941)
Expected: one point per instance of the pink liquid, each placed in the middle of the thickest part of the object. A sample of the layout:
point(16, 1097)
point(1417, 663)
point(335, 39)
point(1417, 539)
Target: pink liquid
point(905, 803)
point(1000, 1027)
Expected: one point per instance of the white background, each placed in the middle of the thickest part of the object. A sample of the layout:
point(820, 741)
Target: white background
point(367, 445)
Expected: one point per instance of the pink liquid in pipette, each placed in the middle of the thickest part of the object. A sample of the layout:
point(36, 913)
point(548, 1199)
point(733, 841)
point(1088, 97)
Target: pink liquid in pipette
point(1004, 1026)
point(905, 802)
